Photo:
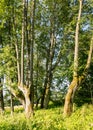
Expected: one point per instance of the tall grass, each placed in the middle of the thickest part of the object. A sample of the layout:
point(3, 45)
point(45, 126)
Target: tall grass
point(50, 119)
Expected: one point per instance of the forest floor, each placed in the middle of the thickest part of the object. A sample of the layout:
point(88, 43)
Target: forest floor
point(50, 119)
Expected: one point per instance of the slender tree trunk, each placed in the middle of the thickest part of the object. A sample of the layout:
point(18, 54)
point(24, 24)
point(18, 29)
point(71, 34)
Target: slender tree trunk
point(45, 83)
point(12, 104)
point(31, 51)
point(49, 62)
point(37, 79)
point(18, 64)
point(91, 93)
point(47, 92)
point(28, 47)
point(16, 46)
point(26, 89)
point(49, 75)
point(19, 94)
point(1, 85)
point(68, 106)
point(22, 46)
point(42, 98)
point(77, 81)
point(91, 96)
point(1, 96)
point(37, 101)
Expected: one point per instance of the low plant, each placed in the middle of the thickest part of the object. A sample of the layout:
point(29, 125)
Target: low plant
point(50, 119)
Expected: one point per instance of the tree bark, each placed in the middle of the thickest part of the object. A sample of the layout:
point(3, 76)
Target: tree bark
point(32, 36)
point(28, 103)
point(49, 62)
point(47, 90)
point(76, 82)
point(45, 83)
point(22, 45)
point(68, 106)
point(12, 104)
point(49, 72)
point(1, 96)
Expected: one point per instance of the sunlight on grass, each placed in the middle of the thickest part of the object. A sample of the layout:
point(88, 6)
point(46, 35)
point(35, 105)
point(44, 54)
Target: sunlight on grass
point(50, 119)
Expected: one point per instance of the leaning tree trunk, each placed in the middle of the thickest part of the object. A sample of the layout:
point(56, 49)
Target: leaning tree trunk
point(68, 107)
point(77, 81)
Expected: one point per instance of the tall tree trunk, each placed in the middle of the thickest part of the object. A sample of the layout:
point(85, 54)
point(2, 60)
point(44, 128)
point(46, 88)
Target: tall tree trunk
point(26, 89)
point(31, 51)
point(49, 67)
point(45, 83)
point(91, 92)
point(37, 78)
point(47, 90)
point(22, 46)
point(16, 46)
point(77, 81)
point(1, 96)
point(19, 94)
point(12, 103)
point(68, 106)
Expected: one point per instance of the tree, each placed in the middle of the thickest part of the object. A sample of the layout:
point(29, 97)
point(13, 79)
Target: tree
point(16, 82)
point(77, 79)
point(28, 90)
point(54, 45)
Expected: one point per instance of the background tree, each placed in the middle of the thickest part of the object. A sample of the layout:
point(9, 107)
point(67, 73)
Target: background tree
point(1, 96)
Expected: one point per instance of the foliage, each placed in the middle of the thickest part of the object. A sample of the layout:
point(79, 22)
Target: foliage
point(64, 18)
point(81, 119)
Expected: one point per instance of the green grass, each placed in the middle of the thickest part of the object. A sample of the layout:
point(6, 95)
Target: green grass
point(50, 119)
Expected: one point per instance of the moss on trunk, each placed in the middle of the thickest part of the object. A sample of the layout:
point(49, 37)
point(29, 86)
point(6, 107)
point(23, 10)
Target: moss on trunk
point(68, 107)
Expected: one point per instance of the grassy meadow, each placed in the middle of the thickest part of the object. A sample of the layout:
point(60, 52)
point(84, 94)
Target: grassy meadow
point(50, 119)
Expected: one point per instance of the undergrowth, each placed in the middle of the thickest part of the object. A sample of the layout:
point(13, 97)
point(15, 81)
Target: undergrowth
point(50, 119)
